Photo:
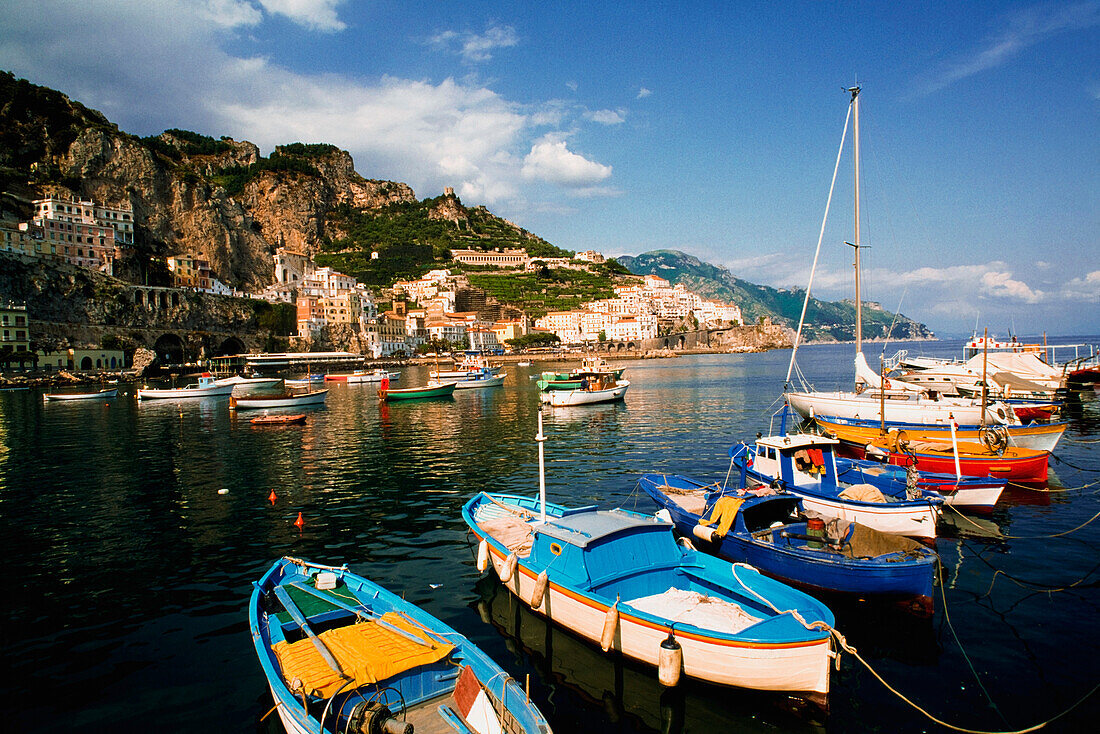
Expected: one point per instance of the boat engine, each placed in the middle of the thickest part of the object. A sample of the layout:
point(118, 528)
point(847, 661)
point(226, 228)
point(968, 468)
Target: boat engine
point(374, 717)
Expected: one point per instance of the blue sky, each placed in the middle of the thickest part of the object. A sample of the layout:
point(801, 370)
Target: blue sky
point(625, 127)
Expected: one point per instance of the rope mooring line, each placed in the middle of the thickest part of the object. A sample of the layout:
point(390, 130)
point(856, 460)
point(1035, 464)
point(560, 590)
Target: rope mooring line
point(950, 626)
point(842, 642)
point(1060, 460)
point(1051, 490)
point(1027, 537)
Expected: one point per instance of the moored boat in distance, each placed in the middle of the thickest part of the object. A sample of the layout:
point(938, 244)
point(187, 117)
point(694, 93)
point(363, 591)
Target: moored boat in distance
point(342, 654)
point(592, 389)
point(206, 387)
point(105, 394)
point(440, 390)
point(474, 379)
point(285, 400)
point(377, 375)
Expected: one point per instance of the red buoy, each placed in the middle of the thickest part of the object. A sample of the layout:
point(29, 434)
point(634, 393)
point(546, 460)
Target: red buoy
point(299, 522)
point(272, 497)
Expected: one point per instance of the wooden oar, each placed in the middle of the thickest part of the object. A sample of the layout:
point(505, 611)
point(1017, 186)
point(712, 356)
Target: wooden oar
point(362, 611)
point(296, 614)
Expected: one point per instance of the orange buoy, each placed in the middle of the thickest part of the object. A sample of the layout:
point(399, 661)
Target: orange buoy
point(272, 497)
point(299, 522)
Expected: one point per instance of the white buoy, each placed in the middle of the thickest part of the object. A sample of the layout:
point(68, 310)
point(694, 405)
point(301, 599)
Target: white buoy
point(702, 532)
point(483, 555)
point(223, 491)
point(610, 626)
point(541, 583)
point(670, 660)
point(509, 568)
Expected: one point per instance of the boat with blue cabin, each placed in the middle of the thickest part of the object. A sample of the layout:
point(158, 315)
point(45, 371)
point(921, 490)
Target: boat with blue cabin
point(620, 578)
point(342, 654)
point(805, 465)
point(769, 531)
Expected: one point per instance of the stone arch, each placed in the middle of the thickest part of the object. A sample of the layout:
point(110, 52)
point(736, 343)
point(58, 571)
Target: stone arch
point(680, 341)
point(619, 347)
point(113, 363)
point(631, 346)
point(86, 363)
point(176, 300)
point(163, 299)
point(169, 349)
point(139, 298)
point(230, 346)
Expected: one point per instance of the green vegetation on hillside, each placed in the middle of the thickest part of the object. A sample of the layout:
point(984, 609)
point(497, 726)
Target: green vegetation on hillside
point(546, 290)
point(409, 243)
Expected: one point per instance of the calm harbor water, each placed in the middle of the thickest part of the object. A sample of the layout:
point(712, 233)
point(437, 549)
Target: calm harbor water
point(130, 572)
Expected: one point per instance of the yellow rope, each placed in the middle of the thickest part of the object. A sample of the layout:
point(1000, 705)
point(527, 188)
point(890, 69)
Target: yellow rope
point(1055, 489)
point(1028, 537)
point(277, 705)
point(843, 644)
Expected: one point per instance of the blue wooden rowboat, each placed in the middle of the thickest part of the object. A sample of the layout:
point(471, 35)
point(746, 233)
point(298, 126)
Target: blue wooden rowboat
point(804, 465)
point(342, 654)
point(620, 579)
point(770, 533)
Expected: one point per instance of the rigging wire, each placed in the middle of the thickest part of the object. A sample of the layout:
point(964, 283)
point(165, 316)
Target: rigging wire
point(820, 237)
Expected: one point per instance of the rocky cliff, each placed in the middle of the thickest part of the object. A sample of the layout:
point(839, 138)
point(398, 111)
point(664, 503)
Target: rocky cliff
point(190, 193)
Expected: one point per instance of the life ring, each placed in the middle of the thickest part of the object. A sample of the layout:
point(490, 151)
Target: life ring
point(886, 384)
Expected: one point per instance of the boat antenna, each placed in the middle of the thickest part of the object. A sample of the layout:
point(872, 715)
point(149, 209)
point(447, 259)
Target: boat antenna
point(541, 439)
point(817, 252)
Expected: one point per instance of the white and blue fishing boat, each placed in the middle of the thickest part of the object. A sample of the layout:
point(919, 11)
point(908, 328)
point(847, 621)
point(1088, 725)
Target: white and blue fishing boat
point(958, 491)
point(342, 654)
point(771, 533)
point(805, 465)
point(620, 578)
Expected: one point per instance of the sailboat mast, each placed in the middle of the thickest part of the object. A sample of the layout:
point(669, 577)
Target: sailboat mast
point(859, 299)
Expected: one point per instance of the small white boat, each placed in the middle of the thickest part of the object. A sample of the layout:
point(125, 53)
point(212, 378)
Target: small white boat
point(524, 363)
point(317, 397)
point(206, 387)
point(478, 378)
point(586, 395)
point(361, 376)
point(249, 382)
point(97, 395)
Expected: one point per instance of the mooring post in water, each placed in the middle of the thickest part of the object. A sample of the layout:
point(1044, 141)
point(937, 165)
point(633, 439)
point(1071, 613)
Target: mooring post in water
point(542, 470)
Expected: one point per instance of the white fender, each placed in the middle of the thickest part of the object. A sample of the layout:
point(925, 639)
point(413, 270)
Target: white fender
point(670, 660)
point(509, 569)
point(702, 532)
point(610, 625)
point(482, 555)
point(541, 584)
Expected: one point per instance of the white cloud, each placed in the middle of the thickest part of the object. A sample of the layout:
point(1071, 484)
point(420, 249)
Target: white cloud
point(607, 117)
point(643, 92)
point(475, 47)
point(318, 15)
point(571, 85)
point(182, 72)
point(1086, 288)
point(1023, 29)
point(551, 160)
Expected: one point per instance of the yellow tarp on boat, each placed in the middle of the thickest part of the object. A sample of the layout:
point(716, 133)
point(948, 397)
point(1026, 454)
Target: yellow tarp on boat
point(368, 652)
point(724, 513)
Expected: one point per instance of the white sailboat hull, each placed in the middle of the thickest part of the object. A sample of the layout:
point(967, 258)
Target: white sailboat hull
point(901, 408)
